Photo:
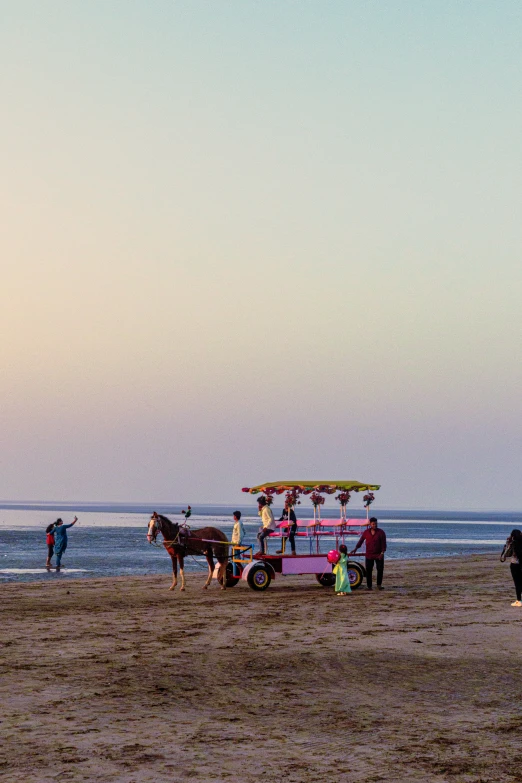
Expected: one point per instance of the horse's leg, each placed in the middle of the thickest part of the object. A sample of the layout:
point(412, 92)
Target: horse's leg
point(210, 561)
point(222, 574)
point(174, 559)
point(181, 571)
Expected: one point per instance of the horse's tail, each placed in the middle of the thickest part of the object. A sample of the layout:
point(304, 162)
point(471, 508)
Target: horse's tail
point(221, 550)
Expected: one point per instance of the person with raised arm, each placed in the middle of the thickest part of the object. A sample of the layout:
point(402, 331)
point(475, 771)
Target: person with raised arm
point(60, 539)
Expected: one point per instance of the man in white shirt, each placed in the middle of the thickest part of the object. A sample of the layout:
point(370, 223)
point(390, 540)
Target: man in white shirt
point(238, 531)
point(268, 523)
point(238, 534)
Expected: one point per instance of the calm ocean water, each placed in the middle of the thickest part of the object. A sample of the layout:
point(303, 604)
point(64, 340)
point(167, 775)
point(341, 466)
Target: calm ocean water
point(111, 540)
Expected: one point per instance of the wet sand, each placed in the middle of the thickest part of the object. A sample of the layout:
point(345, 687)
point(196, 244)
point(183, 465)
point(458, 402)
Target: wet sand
point(121, 680)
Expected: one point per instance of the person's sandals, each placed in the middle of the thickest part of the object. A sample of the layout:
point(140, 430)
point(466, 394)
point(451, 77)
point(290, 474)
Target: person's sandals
point(516, 603)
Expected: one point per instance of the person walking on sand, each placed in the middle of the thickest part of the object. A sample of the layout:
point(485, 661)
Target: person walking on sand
point(340, 569)
point(513, 550)
point(49, 540)
point(268, 523)
point(375, 539)
point(60, 538)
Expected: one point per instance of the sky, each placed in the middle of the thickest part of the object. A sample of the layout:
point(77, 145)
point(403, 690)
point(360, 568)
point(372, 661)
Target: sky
point(257, 241)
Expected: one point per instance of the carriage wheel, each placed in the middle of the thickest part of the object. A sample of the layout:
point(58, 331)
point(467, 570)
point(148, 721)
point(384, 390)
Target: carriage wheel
point(355, 574)
point(259, 578)
point(326, 580)
point(231, 579)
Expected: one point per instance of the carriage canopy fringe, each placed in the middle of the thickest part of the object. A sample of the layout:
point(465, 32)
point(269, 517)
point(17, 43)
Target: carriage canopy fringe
point(349, 486)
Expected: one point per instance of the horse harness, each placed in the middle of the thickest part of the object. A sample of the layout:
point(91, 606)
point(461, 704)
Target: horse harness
point(181, 540)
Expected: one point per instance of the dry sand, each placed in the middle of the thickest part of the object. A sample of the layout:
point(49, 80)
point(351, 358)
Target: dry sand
point(121, 680)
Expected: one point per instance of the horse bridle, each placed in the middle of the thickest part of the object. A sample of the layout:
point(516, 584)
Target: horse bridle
point(181, 528)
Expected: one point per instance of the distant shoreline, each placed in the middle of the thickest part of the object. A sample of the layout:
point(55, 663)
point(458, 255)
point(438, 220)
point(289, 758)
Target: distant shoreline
point(304, 511)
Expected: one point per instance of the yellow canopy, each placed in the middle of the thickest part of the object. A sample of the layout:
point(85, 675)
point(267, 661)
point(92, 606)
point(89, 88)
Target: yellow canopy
point(350, 486)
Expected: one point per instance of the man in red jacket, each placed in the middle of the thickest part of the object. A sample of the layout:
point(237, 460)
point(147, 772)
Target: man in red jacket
point(375, 540)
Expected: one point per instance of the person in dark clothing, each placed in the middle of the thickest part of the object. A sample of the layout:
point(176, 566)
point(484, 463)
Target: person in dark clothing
point(513, 550)
point(288, 514)
point(375, 539)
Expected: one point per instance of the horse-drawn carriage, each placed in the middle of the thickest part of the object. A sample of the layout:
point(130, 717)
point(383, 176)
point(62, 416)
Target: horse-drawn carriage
point(236, 562)
point(259, 569)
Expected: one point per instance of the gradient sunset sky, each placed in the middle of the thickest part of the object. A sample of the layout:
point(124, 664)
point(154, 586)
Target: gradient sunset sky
point(249, 241)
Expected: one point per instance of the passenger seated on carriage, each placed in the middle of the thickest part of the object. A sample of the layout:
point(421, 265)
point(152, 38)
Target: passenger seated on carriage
point(238, 534)
point(288, 514)
point(268, 523)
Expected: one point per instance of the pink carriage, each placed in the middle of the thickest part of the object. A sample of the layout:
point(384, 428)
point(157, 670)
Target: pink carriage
point(259, 570)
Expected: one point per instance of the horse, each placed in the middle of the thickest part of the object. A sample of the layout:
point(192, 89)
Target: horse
point(180, 541)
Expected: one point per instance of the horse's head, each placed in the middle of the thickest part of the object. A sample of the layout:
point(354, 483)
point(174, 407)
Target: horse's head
point(154, 527)
point(160, 524)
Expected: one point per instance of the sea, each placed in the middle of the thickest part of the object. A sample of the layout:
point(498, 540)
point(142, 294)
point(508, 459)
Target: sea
point(111, 539)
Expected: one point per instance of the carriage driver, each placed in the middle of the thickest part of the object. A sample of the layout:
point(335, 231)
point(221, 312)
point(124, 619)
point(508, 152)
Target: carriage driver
point(268, 523)
point(238, 534)
point(238, 531)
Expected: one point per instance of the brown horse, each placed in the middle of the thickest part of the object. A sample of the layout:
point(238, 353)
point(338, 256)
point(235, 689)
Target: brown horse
point(180, 541)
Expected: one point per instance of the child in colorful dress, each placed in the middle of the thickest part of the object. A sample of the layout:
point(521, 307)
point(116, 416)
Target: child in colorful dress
point(342, 580)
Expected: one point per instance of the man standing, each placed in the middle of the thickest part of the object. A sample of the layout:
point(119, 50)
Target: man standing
point(268, 523)
point(375, 540)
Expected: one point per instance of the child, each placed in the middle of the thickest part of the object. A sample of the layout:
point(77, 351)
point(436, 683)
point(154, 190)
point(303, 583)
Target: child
point(50, 543)
point(342, 581)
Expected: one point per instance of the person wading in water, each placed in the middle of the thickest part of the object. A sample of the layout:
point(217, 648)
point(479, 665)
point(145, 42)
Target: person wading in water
point(49, 540)
point(60, 538)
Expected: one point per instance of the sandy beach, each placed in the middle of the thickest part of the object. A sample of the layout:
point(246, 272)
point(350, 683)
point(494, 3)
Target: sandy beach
point(120, 680)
